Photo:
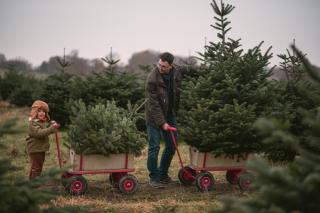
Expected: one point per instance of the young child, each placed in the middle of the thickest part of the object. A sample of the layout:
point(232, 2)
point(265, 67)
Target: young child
point(40, 128)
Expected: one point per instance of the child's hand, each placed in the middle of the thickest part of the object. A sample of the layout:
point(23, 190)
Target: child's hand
point(55, 125)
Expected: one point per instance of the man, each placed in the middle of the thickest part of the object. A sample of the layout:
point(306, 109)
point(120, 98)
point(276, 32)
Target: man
point(162, 92)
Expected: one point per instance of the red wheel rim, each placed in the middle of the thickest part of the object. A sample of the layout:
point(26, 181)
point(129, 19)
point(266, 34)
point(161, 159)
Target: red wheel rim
point(128, 185)
point(206, 182)
point(76, 186)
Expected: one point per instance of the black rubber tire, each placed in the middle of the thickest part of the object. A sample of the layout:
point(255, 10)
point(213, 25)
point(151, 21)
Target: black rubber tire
point(205, 181)
point(233, 176)
point(128, 184)
point(77, 185)
point(185, 178)
point(245, 181)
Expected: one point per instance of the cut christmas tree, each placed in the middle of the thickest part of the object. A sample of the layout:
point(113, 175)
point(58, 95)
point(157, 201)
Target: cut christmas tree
point(104, 130)
point(227, 94)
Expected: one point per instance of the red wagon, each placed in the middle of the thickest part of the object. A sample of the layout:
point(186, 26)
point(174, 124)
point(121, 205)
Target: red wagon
point(201, 163)
point(117, 165)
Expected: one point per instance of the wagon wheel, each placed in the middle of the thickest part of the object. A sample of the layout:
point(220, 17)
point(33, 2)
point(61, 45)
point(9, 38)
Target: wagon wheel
point(187, 175)
point(64, 178)
point(245, 180)
point(128, 184)
point(204, 181)
point(232, 176)
point(76, 185)
point(114, 178)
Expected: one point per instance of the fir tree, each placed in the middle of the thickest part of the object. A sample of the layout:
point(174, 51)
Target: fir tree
point(290, 188)
point(10, 81)
point(293, 96)
point(228, 93)
point(104, 129)
point(25, 94)
point(56, 93)
point(112, 84)
point(62, 90)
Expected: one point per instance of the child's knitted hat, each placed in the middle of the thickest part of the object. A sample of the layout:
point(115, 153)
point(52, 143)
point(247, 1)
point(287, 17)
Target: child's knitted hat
point(38, 104)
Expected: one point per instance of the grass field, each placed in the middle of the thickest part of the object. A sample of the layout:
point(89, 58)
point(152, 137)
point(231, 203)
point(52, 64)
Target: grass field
point(174, 198)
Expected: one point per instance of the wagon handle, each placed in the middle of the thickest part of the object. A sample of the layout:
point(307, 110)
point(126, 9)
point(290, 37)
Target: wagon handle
point(171, 130)
point(58, 149)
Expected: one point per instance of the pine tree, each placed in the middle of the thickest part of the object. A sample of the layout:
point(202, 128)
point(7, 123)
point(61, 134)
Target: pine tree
point(56, 93)
point(104, 129)
point(62, 90)
point(296, 94)
point(10, 81)
point(290, 188)
point(112, 84)
point(109, 85)
point(228, 93)
point(28, 91)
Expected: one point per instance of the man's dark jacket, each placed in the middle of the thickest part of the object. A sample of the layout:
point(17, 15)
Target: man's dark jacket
point(157, 101)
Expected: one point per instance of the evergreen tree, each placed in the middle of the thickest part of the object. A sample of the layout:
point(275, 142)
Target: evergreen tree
point(25, 94)
point(109, 85)
point(113, 84)
point(104, 129)
point(56, 93)
point(62, 90)
point(227, 94)
point(297, 93)
point(292, 96)
point(9, 82)
point(293, 187)
point(20, 89)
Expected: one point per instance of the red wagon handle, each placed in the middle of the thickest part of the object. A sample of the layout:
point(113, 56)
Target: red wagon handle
point(187, 172)
point(171, 130)
point(58, 149)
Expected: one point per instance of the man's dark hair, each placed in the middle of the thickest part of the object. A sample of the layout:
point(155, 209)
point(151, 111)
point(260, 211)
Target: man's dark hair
point(168, 57)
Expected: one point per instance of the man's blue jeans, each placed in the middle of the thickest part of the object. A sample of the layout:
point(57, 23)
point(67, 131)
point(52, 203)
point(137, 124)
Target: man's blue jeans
point(154, 136)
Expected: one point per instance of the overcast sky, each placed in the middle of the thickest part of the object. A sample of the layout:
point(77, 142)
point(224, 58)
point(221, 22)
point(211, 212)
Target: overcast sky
point(38, 29)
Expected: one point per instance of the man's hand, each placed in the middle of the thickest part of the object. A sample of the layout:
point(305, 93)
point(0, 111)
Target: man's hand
point(167, 127)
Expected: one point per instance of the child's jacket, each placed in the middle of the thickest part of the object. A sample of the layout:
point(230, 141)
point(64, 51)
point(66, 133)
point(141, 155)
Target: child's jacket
point(38, 138)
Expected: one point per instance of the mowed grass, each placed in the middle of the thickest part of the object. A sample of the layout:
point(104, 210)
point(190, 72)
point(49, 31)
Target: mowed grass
point(174, 198)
